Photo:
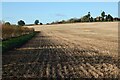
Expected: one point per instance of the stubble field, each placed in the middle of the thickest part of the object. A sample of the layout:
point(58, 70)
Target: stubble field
point(78, 50)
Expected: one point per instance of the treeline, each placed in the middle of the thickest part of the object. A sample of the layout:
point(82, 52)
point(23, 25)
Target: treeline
point(88, 18)
point(9, 30)
point(22, 23)
point(15, 35)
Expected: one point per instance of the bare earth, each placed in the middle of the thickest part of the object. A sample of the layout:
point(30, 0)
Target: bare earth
point(79, 50)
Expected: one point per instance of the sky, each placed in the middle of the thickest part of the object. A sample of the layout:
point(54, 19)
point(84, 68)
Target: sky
point(47, 12)
point(60, 0)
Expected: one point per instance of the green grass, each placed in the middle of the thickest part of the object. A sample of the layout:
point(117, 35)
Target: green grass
point(16, 42)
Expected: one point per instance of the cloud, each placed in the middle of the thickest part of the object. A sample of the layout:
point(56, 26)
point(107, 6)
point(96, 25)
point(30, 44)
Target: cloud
point(60, 15)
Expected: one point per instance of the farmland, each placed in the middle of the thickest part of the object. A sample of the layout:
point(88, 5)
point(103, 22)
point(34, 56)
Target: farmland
point(78, 50)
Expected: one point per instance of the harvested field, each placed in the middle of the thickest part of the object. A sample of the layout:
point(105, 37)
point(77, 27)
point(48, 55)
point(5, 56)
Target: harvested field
point(79, 50)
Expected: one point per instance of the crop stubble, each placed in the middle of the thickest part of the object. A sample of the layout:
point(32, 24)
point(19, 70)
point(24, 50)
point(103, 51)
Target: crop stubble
point(53, 54)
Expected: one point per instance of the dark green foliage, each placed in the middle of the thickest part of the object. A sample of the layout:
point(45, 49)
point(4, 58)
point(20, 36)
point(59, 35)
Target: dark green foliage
point(16, 42)
point(36, 22)
point(94, 20)
point(91, 19)
point(7, 23)
point(103, 19)
point(47, 23)
point(103, 15)
point(88, 15)
point(41, 23)
point(110, 18)
point(21, 23)
point(106, 18)
point(74, 20)
point(63, 21)
point(85, 19)
point(116, 19)
point(88, 18)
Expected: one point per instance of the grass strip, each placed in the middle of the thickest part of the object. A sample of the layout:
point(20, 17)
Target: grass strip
point(16, 42)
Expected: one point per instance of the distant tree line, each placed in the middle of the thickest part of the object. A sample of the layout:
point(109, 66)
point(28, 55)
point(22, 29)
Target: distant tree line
point(12, 30)
point(22, 23)
point(88, 18)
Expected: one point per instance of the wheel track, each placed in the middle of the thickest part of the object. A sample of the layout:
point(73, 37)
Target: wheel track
point(55, 59)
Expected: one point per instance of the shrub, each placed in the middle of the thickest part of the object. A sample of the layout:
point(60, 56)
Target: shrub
point(21, 23)
point(36, 22)
point(41, 23)
point(9, 31)
point(7, 23)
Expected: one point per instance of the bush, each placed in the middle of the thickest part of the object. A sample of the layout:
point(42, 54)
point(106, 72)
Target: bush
point(41, 23)
point(7, 23)
point(9, 31)
point(36, 22)
point(21, 23)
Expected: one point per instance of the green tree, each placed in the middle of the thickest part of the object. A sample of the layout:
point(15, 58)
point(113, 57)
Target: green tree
point(41, 23)
point(91, 19)
point(21, 23)
point(103, 15)
point(47, 23)
point(72, 20)
point(94, 20)
point(106, 18)
point(110, 18)
point(89, 15)
point(7, 23)
point(36, 22)
point(63, 21)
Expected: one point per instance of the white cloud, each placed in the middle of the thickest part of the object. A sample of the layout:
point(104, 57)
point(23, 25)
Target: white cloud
point(60, 15)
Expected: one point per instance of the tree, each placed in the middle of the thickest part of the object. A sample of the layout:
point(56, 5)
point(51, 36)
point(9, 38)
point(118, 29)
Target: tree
point(7, 23)
point(110, 18)
point(72, 20)
point(103, 15)
point(94, 20)
point(53, 22)
point(36, 22)
point(91, 19)
point(63, 21)
point(41, 23)
point(21, 23)
point(89, 15)
point(85, 18)
point(106, 18)
point(47, 23)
